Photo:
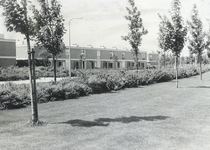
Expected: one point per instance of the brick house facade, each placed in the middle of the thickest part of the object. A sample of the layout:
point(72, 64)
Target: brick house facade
point(90, 58)
point(7, 52)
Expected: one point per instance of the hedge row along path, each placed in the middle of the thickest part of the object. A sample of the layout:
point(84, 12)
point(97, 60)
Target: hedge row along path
point(158, 116)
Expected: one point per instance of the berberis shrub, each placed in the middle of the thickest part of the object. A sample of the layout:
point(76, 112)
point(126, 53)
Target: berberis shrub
point(13, 73)
point(64, 89)
point(88, 82)
point(17, 95)
point(14, 96)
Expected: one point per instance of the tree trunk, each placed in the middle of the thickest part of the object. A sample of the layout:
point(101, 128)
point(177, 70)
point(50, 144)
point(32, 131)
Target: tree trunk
point(176, 72)
point(136, 62)
point(195, 61)
point(35, 108)
point(164, 59)
point(159, 61)
point(200, 66)
point(200, 71)
point(54, 64)
point(32, 89)
point(45, 62)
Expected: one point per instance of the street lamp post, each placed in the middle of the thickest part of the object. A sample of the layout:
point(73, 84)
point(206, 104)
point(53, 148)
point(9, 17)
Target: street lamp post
point(70, 46)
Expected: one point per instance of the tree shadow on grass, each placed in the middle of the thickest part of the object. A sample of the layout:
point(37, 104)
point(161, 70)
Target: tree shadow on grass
point(105, 121)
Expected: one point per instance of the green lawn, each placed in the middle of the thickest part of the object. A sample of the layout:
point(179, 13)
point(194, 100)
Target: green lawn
point(154, 117)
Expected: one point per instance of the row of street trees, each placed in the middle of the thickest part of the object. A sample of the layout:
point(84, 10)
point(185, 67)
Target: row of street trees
point(45, 26)
point(173, 34)
point(169, 60)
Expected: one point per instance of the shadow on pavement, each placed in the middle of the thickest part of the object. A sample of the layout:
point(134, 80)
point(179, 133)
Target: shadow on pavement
point(105, 121)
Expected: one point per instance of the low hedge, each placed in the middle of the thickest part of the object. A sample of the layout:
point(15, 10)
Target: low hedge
point(14, 73)
point(17, 95)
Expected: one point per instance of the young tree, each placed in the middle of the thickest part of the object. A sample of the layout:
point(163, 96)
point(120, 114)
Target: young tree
point(136, 30)
point(45, 55)
point(115, 60)
point(50, 28)
point(82, 58)
point(196, 38)
point(207, 46)
point(176, 33)
point(163, 36)
point(17, 19)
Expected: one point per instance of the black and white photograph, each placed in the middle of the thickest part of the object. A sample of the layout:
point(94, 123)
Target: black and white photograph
point(104, 75)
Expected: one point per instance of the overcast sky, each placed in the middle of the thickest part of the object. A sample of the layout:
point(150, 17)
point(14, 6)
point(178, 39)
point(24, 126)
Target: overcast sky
point(103, 21)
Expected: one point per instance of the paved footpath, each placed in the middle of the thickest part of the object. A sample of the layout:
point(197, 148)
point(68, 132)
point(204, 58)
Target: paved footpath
point(154, 117)
point(47, 79)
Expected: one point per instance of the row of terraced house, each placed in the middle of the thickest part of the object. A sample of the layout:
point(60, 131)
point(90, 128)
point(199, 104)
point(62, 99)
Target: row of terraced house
point(81, 57)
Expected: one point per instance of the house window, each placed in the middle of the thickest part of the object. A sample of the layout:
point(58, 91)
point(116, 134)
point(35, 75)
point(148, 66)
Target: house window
point(111, 55)
point(142, 65)
point(83, 51)
point(150, 56)
point(76, 64)
point(123, 55)
point(59, 63)
point(143, 56)
point(104, 64)
point(128, 64)
point(110, 65)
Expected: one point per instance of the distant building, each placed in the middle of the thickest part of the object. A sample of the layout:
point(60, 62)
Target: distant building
point(90, 58)
point(7, 51)
point(104, 58)
point(152, 60)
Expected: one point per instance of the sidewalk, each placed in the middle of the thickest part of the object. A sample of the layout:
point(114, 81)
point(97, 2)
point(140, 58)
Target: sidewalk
point(47, 79)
